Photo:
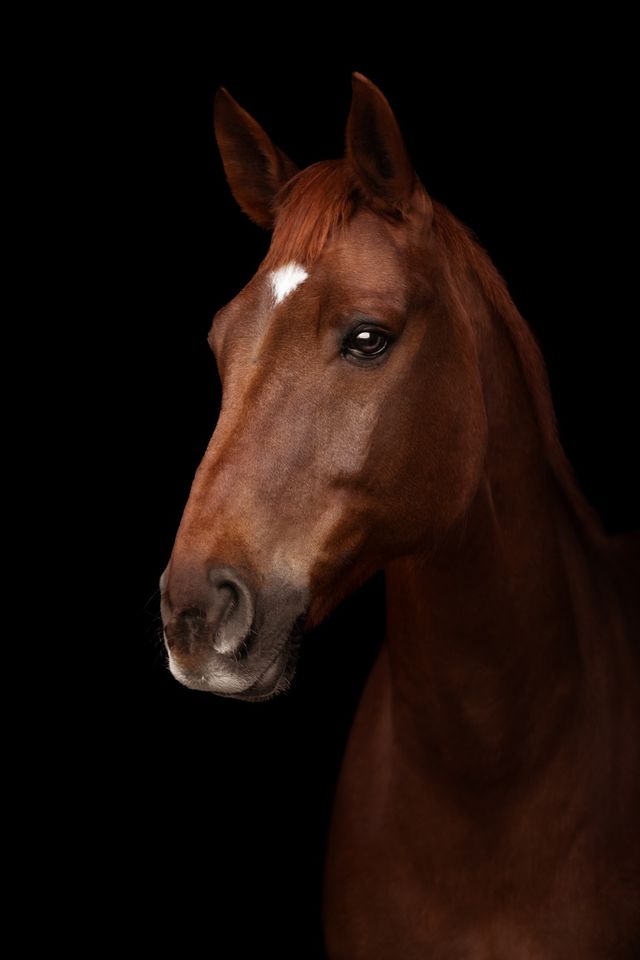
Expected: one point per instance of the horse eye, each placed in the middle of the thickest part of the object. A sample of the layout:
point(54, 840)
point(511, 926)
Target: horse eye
point(364, 343)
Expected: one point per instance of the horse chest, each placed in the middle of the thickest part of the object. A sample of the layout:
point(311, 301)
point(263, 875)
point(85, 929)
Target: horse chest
point(389, 898)
point(406, 878)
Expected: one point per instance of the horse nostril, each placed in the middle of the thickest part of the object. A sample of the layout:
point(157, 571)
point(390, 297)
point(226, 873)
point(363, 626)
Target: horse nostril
point(234, 599)
point(219, 616)
point(232, 610)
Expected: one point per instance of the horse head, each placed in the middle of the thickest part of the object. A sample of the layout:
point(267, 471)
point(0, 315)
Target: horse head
point(352, 428)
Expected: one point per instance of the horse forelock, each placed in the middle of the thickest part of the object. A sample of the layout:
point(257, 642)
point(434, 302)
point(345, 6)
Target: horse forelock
point(312, 207)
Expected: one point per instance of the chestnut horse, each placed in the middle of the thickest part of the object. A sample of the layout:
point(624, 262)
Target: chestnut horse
point(386, 407)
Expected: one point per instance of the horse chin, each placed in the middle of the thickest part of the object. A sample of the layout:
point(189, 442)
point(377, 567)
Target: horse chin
point(276, 679)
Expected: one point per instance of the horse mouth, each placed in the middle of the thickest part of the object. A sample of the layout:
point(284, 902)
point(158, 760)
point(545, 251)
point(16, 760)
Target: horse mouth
point(257, 676)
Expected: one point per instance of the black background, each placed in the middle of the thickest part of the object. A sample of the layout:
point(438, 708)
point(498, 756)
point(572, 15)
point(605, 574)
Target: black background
point(217, 810)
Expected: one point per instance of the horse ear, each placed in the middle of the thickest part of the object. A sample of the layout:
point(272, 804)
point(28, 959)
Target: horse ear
point(255, 168)
point(376, 150)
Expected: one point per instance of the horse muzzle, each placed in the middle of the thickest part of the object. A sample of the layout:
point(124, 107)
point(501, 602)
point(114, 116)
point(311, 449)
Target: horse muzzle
point(226, 637)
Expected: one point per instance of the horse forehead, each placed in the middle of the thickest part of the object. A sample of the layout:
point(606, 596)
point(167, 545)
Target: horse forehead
point(368, 253)
point(367, 257)
point(286, 279)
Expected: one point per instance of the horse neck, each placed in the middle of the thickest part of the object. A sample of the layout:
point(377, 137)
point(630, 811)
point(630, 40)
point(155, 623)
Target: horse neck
point(486, 636)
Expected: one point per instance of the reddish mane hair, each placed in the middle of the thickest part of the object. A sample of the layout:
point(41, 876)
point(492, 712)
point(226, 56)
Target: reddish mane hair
point(465, 252)
point(315, 204)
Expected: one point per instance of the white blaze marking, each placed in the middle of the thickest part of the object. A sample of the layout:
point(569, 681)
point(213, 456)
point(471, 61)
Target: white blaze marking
point(285, 280)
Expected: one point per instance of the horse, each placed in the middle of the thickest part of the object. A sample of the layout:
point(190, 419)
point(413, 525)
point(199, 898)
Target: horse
point(385, 407)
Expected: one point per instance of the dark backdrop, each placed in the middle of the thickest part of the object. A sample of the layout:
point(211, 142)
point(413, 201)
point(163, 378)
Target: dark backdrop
point(217, 810)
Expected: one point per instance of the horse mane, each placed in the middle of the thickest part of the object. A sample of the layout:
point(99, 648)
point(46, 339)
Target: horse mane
point(465, 252)
point(321, 199)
